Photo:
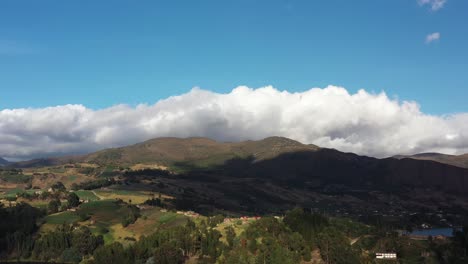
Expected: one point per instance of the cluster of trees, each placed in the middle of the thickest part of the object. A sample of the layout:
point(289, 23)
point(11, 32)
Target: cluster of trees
point(95, 184)
point(17, 226)
point(10, 171)
point(289, 240)
point(67, 244)
point(131, 216)
point(14, 176)
point(147, 172)
point(55, 205)
point(268, 240)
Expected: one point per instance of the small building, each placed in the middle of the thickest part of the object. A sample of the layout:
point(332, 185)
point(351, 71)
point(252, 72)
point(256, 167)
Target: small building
point(387, 255)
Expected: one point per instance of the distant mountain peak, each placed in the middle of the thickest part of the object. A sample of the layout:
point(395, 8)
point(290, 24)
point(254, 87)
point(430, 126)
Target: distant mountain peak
point(3, 162)
point(430, 154)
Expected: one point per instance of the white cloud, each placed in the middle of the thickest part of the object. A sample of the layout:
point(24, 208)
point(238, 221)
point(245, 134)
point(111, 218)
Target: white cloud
point(432, 37)
point(434, 4)
point(365, 123)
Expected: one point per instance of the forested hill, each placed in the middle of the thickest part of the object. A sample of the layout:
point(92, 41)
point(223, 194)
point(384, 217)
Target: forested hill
point(201, 151)
point(280, 159)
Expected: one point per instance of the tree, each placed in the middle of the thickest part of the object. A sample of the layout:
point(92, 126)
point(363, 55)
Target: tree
point(84, 241)
point(58, 186)
point(53, 206)
point(230, 236)
point(71, 255)
point(113, 253)
point(17, 224)
point(73, 200)
point(168, 254)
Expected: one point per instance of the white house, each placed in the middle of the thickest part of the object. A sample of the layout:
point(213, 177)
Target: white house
point(385, 255)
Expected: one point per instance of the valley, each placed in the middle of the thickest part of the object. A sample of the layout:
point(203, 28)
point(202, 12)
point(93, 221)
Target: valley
point(123, 195)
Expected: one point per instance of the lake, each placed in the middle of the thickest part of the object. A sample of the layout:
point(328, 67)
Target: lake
point(448, 232)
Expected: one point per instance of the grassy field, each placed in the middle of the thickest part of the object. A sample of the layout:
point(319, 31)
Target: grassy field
point(36, 203)
point(136, 197)
point(153, 218)
point(62, 218)
point(13, 192)
point(238, 228)
point(72, 178)
point(105, 219)
point(167, 217)
point(87, 195)
point(104, 210)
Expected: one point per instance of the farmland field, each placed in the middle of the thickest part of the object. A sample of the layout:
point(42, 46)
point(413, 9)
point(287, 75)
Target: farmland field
point(153, 218)
point(14, 192)
point(87, 195)
point(136, 197)
point(62, 218)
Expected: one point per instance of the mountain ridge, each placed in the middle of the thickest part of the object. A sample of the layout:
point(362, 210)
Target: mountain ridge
point(3, 162)
point(169, 150)
point(454, 160)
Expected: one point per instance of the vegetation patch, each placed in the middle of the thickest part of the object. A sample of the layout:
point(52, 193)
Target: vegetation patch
point(133, 197)
point(167, 217)
point(14, 177)
point(87, 195)
point(62, 218)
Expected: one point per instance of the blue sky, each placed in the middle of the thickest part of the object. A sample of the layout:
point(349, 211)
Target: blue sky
point(102, 53)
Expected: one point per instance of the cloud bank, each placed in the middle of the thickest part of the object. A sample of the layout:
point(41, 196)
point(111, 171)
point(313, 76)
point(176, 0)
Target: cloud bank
point(364, 123)
point(434, 4)
point(432, 37)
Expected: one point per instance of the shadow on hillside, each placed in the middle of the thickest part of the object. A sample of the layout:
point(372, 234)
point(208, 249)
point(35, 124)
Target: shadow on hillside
point(274, 185)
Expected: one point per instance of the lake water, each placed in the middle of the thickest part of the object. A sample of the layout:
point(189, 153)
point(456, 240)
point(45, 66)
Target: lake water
point(448, 232)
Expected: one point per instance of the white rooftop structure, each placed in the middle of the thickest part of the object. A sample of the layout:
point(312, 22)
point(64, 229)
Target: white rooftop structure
point(385, 255)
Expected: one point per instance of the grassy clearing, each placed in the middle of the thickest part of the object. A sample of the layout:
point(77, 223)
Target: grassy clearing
point(102, 211)
point(238, 229)
point(10, 193)
point(167, 217)
point(13, 192)
point(153, 218)
point(87, 195)
point(141, 166)
point(15, 178)
point(135, 197)
point(105, 219)
point(62, 218)
point(36, 203)
point(57, 170)
point(72, 178)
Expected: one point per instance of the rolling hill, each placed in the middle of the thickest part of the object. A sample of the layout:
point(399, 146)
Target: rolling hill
point(285, 160)
point(281, 160)
point(197, 151)
point(273, 175)
point(454, 160)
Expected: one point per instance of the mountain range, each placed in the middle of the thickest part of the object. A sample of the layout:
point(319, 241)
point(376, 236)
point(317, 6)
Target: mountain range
point(276, 173)
point(454, 160)
point(4, 162)
point(286, 160)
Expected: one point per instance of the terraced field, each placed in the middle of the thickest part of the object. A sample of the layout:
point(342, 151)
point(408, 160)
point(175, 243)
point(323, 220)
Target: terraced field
point(87, 195)
point(134, 197)
point(8, 193)
point(152, 218)
point(62, 218)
